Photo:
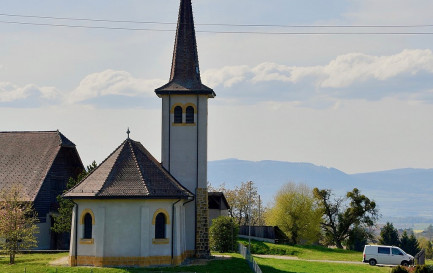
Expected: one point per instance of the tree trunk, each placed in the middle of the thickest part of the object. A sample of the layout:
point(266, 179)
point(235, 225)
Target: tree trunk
point(338, 244)
point(12, 258)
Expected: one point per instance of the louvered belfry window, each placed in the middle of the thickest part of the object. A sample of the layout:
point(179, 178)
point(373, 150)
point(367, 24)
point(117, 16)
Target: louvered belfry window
point(87, 226)
point(160, 226)
point(178, 114)
point(190, 114)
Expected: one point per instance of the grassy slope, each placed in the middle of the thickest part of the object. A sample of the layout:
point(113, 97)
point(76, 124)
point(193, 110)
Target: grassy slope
point(279, 266)
point(37, 263)
point(304, 252)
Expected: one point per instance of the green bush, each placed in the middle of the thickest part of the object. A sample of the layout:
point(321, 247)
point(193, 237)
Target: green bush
point(268, 249)
point(399, 269)
point(423, 269)
point(223, 234)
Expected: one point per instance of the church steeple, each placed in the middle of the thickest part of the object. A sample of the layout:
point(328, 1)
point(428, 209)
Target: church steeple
point(185, 70)
point(184, 129)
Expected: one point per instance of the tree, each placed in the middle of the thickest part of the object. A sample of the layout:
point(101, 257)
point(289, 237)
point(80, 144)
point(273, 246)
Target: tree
point(429, 232)
point(409, 243)
point(427, 246)
point(358, 238)
point(240, 199)
point(296, 213)
point(389, 235)
point(62, 221)
point(17, 223)
point(342, 214)
point(223, 234)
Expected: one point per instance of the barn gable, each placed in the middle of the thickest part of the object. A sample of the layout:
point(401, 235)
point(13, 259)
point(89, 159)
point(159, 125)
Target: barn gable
point(40, 165)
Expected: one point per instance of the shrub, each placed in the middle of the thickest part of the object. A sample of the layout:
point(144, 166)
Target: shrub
point(399, 269)
point(223, 234)
point(423, 269)
point(258, 247)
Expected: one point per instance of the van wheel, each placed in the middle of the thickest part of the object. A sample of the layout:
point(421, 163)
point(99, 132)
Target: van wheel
point(372, 262)
point(405, 263)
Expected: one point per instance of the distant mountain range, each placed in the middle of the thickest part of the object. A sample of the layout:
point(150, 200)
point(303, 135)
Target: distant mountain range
point(400, 194)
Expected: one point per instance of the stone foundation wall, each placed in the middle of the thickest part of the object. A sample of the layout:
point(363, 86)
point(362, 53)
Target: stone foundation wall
point(128, 261)
point(202, 231)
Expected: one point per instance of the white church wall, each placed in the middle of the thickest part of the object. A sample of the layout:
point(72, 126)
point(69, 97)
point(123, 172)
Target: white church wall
point(183, 146)
point(124, 228)
point(182, 155)
point(190, 225)
point(179, 141)
point(84, 247)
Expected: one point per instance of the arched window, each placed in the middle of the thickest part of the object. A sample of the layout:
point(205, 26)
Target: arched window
point(178, 114)
point(160, 226)
point(87, 226)
point(190, 114)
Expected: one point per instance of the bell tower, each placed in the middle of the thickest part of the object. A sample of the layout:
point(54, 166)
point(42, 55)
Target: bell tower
point(184, 129)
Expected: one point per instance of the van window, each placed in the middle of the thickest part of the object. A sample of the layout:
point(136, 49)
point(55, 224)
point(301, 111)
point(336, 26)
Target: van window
point(383, 250)
point(395, 251)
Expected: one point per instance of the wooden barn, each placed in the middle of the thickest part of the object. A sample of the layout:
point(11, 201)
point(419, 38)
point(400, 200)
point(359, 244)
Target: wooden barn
point(40, 165)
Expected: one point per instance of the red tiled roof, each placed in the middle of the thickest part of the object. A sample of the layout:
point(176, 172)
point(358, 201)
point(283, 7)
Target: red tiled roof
point(185, 71)
point(129, 172)
point(26, 158)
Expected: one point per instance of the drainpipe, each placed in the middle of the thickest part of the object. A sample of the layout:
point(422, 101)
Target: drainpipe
point(184, 206)
point(172, 230)
point(169, 131)
point(196, 176)
point(76, 232)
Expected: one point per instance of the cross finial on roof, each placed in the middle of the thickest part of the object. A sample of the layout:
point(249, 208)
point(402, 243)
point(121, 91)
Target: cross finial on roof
point(128, 132)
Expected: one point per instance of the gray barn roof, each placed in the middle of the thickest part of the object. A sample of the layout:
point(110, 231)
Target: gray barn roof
point(26, 158)
point(129, 172)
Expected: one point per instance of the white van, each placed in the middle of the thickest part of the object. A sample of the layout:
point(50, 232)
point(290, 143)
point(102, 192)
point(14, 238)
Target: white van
point(375, 254)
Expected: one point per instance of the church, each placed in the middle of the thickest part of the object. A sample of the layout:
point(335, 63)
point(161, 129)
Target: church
point(133, 210)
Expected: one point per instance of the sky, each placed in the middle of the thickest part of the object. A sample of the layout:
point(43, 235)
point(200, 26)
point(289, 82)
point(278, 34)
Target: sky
point(355, 102)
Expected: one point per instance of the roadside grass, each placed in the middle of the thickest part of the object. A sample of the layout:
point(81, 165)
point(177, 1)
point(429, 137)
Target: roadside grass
point(303, 252)
point(268, 265)
point(39, 263)
point(236, 264)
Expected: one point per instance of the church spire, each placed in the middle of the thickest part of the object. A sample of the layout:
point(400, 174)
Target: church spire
point(185, 71)
point(185, 66)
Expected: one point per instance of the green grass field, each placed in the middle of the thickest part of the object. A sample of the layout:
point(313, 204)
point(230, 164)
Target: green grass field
point(38, 263)
point(279, 266)
point(304, 252)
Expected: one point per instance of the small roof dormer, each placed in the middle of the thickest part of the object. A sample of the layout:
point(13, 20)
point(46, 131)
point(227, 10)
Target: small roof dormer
point(185, 70)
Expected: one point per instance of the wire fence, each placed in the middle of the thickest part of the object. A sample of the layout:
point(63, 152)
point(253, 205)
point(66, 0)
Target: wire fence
point(243, 250)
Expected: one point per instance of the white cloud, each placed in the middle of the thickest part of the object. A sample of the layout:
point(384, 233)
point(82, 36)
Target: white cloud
point(227, 76)
point(343, 77)
point(10, 92)
point(351, 68)
point(344, 71)
point(112, 82)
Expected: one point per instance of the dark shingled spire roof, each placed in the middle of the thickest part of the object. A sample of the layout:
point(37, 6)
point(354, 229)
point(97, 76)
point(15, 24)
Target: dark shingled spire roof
point(129, 172)
point(26, 158)
point(185, 71)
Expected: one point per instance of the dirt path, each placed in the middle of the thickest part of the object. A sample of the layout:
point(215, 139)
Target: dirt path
point(297, 259)
point(63, 261)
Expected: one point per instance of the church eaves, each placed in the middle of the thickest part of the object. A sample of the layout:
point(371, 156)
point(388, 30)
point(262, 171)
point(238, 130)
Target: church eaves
point(129, 172)
point(185, 71)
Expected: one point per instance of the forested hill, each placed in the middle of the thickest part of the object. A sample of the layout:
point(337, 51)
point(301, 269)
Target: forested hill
point(399, 193)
